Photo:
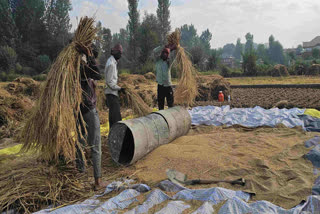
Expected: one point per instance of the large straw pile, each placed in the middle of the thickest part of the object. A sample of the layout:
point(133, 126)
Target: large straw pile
point(52, 128)
point(186, 90)
point(209, 87)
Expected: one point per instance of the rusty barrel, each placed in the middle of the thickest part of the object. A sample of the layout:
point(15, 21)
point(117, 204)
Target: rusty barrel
point(131, 140)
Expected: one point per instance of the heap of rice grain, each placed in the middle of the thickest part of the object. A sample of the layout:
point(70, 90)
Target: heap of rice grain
point(187, 89)
point(52, 128)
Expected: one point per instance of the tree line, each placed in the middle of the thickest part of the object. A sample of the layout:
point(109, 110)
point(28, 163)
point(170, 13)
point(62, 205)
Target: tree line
point(33, 33)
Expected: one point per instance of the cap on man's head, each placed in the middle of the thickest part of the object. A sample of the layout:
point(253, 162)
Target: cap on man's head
point(117, 48)
point(166, 50)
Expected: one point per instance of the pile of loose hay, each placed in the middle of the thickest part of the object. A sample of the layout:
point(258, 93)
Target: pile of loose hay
point(314, 70)
point(150, 76)
point(12, 111)
point(187, 89)
point(27, 185)
point(53, 125)
point(279, 71)
point(132, 79)
point(26, 86)
point(209, 87)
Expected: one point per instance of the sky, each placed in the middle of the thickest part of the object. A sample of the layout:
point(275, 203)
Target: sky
point(291, 22)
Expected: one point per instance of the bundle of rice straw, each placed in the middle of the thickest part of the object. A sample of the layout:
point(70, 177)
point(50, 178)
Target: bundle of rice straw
point(52, 128)
point(135, 102)
point(187, 89)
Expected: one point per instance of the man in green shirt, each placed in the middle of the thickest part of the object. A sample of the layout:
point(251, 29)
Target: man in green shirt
point(163, 76)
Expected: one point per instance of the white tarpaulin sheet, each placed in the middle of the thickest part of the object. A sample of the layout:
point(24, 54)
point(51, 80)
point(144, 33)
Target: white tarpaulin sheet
point(248, 117)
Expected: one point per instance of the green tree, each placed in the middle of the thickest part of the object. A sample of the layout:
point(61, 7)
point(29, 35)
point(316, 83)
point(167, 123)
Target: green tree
point(316, 53)
point(32, 30)
point(228, 49)
point(8, 31)
point(262, 53)
point(163, 14)
point(189, 36)
point(57, 22)
point(205, 39)
point(213, 59)
point(197, 54)
point(238, 50)
point(133, 28)
point(103, 43)
point(249, 64)
point(249, 43)
point(275, 51)
point(299, 49)
point(149, 38)
point(8, 58)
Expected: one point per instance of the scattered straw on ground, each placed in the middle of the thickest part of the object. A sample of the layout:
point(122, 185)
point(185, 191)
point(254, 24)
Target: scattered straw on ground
point(271, 160)
point(28, 185)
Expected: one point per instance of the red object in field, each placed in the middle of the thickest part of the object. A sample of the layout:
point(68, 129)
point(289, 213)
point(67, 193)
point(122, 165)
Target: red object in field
point(220, 97)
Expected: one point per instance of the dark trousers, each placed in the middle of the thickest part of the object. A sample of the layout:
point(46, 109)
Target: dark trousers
point(114, 109)
point(93, 139)
point(165, 92)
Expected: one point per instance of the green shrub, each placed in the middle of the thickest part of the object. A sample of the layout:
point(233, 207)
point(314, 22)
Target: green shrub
point(40, 77)
point(210, 72)
point(124, 71)
point(18, 68)
point(3, 76)
point(225, 71)
point(236, 73)
point(301, 68)
point(8, 58)
point(147, 67)
point(28, 71)
point(42, 63)
point(12, 76)
point(264, 70)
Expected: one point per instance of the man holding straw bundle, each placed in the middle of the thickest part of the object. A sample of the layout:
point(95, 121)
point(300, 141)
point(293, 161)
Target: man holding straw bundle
point(163, 75)
point(89, 73)
point(112, 88)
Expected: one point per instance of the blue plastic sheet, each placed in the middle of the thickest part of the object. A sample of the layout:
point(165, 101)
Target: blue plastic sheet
point(248, 117)
point(311, 124)
point(206, 208)
point(215, 195)
point(154, 198)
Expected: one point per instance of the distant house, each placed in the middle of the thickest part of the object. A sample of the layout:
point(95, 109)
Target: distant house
point(289, 50)
point(315, 43)
point(228, 61)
